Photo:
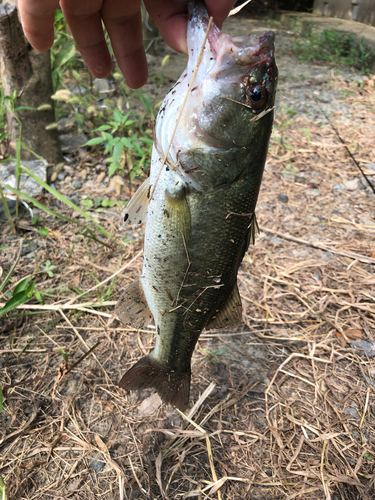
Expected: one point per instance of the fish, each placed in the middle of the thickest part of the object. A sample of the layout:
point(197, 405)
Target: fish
point(199, 201)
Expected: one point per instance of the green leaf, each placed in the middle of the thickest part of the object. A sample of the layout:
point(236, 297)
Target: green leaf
point(22, 285)
point(39, 297)
point(87, 203)
point(112, 169)
point(146, 140)
point(108, 137)
point(3, 492)
point(108, 203)
point(117, 151)
point(64, 355)
point(18, 299)
point(24, 108)
point(102, 128)
point(95, 141)
point(66, 50)
point(117, 115)
point(30, 290)
point(126, 142)
point(43, 231)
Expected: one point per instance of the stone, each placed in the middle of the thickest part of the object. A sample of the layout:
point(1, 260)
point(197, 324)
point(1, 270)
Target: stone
point(364, 347)
point(66, 125)
point(313, 192)
point(27, 184)
point(314, 220)
point(97, 465)
point(371, 166)
point(338, 187)
point(102, 85)
point(61, 176)
point(77, 184)
point(71, 142)
point(352, 412)
point(275, 241)
point(283, 198)
point(74, 199)
point(351, 185)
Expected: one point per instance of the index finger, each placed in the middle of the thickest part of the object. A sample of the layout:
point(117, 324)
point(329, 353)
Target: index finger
point(38, 17)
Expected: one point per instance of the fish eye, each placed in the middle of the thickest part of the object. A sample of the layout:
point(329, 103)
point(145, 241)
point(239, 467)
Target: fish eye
point(256, 96)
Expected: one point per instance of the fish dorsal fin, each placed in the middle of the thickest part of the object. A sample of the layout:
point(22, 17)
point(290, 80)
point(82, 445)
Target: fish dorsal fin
point(136, 211)
point(229, 314)
point(132, 308)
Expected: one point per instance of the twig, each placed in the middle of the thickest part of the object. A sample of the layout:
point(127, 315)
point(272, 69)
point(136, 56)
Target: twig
point(107, 279)
point(344, 253)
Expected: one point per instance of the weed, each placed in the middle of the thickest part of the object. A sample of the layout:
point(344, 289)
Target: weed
point(124, 138)
point(214, 356)
point(2, 485)
point(63, 52)
point(337, 47)
point(22, 293)
point(48, 268)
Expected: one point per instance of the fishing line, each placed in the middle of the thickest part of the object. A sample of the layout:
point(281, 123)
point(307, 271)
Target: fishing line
point(346, 147)
point(183, 105)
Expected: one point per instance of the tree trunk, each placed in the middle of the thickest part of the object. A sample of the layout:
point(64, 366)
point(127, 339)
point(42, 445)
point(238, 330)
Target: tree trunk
point(28, 73)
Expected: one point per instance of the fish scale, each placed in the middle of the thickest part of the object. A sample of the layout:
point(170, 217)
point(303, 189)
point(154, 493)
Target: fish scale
point(200, 204)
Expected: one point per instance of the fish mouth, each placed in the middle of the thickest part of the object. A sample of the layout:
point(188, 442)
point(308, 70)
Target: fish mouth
point(241, 55)
point(226, 57)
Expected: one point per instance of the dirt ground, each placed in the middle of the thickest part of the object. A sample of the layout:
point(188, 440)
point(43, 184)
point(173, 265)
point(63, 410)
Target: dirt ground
point(283, 407)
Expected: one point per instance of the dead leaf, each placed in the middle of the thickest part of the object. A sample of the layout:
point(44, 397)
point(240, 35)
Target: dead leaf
point(351, 334)
point(77, 280)
point(101, 177)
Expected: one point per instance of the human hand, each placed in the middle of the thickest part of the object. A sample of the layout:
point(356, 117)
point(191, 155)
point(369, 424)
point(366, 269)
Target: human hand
point(122, 19)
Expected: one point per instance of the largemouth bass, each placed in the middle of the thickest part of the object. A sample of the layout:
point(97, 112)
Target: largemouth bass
point(200, 202)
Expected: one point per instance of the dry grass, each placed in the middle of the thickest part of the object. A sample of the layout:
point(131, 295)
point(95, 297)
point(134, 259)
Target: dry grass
point(284, 406)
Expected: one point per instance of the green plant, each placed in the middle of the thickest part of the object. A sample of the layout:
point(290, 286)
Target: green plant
point(126, 140)
point(337, 47)
point(3, 493)
point(48, 268)
point(22, 293)
point(63, 51)
point(214, 356)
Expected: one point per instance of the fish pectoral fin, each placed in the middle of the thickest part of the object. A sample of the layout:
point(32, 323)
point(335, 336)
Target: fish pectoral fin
point(230, 313)
point(173, 387)
point(136, 211)
point(177, 213)
point(132, 308)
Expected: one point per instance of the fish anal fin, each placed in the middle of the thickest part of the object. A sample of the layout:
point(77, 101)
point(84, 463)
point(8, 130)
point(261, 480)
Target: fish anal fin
point(136, 211)
point(253, 230)
point(173, 387)
point(230, 313)
point(132, 308)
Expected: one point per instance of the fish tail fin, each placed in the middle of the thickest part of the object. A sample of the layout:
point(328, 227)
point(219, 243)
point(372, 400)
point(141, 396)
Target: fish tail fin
point(173, 387)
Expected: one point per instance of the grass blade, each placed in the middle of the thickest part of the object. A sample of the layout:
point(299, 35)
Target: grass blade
point(8, 276)
point(66, 201)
